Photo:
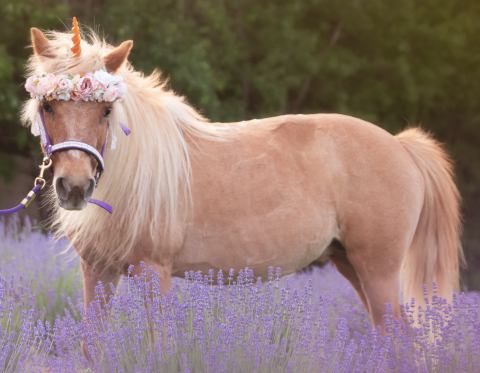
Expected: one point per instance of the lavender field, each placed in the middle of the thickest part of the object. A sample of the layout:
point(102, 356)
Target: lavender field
point(310, 322)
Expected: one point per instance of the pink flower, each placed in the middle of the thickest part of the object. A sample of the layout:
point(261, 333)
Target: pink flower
point(84, 87)
point(98, 86)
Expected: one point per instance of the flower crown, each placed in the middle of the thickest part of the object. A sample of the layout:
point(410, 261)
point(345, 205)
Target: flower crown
point(99, 86)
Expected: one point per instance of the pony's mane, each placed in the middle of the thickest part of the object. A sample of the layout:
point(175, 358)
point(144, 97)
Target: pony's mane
point(147, 176)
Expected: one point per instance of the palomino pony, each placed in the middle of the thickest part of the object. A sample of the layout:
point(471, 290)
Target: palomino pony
point(285, 191)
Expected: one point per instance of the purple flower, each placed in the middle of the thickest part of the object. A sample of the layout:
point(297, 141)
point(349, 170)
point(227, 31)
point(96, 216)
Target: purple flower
point(307, 322)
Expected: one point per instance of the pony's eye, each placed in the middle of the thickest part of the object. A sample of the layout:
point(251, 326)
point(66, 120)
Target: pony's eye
point(107, 111)
point(47, 108)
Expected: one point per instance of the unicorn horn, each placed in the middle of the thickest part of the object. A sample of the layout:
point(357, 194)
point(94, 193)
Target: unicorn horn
point(76, 49)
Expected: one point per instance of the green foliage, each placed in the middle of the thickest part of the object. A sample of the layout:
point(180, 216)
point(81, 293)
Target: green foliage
point(15, 21)
point(7, 166)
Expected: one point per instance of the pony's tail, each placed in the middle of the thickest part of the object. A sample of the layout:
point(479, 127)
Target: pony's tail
point(435, 254)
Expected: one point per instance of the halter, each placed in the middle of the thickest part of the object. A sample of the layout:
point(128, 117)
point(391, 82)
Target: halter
point(50, 148)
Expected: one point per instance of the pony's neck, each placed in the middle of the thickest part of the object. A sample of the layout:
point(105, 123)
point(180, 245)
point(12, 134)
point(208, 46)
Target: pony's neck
point(148, 174)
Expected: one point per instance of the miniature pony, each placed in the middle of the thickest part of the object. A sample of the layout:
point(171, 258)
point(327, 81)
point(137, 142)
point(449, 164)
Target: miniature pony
point(285, 191)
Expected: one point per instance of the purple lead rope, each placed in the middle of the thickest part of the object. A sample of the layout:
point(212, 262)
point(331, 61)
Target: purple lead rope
point(25, 202)
point(101, 204)
point(36, 190)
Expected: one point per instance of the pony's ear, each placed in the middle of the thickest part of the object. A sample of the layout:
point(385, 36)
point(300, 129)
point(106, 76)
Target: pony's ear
point(40, 43)
point(114, 59)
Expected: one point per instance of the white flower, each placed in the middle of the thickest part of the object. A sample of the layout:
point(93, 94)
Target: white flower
point(63, 96)
point(103, 78)
point(65, 83)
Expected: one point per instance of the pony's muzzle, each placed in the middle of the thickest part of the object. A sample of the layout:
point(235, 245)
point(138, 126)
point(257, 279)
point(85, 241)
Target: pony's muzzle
point(73, 196)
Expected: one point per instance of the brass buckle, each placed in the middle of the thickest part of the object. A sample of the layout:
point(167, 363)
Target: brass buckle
point(40, 180)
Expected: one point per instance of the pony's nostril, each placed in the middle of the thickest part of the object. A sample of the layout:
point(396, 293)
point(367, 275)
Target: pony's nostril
point(89, 188)
point(62, 187)
point(73, 194)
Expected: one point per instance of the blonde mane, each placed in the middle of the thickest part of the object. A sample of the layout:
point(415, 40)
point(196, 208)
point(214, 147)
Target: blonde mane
point(147, 175)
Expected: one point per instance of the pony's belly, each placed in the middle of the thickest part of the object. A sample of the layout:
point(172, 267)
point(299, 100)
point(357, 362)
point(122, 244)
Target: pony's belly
point(259, 264)
point(290, 246)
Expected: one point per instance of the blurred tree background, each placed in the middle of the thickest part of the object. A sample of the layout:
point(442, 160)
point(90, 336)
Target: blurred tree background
point(394, 63)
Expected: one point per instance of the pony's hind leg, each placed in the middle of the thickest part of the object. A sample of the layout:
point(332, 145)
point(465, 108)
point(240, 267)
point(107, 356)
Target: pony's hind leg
point(377, 229)
point(381, 289)
point(377, 265)
point(339, 258)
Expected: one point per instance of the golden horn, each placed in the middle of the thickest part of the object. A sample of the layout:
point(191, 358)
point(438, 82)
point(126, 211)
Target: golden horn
point(76, 49)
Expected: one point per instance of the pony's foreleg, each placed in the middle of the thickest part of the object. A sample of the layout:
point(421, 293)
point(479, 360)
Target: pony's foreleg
point(91, 278)
point(164, 272)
